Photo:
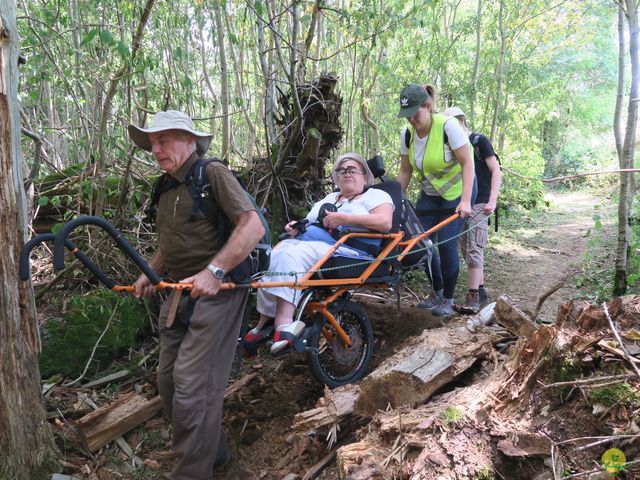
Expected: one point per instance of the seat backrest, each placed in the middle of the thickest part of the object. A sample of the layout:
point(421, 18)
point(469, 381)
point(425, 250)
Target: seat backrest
point(392, 187)
point(406, 220)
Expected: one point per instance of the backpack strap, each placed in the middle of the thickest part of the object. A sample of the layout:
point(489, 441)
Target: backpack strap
point(201, 190)
point(163, 184)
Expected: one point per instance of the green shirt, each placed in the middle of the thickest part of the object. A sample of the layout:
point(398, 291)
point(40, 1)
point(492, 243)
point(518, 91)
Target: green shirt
point(188, 246)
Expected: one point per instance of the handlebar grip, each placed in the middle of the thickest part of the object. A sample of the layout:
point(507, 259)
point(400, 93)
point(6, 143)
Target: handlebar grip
point(24, 269)
point(61, 237)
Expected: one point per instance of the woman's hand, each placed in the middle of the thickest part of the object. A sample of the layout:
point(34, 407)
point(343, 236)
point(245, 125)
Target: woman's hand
point(292, 232)
point(464, 209)
point(334, 220)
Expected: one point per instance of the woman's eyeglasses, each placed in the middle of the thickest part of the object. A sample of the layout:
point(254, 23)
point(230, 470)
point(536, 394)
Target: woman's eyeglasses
point(348, 171)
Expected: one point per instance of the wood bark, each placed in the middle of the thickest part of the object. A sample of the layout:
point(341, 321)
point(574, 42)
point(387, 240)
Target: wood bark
point(108, 423)
point(412, 375)
point(26, 444)
point(409, 377)
point(628, 155)
point(513, 319)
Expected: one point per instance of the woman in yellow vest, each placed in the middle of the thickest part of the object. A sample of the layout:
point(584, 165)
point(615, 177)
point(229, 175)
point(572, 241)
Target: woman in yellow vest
point(436, 148)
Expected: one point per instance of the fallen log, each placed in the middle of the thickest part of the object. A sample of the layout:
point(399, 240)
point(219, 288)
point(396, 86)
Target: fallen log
point(332, 407)
point(412, 375)
point(407, 378)
point(513, 319)
point(98, 428)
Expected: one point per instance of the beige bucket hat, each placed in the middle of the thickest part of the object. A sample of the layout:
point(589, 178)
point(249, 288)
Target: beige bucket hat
point(169, 120)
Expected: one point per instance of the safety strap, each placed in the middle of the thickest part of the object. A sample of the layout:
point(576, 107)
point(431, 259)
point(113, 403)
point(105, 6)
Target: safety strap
point(356, 243)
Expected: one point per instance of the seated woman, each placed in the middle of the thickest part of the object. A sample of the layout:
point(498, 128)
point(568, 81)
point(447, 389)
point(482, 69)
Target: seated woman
point(357, 206)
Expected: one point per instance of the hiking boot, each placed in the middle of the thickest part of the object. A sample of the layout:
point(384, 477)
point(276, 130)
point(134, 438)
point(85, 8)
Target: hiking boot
point(222, 455)
point(432, 301)
point(483, 296)
point(473, 300)
point(444, 309)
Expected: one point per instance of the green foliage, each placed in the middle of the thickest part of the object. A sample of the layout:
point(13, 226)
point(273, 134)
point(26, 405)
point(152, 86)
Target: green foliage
point(555, 103)
point(621, 394)
point(452, 416)
point(486, 473)
point(633, 272)
point(68, 342)
point(596, 275)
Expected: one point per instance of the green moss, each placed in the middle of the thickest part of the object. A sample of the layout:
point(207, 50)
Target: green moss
point(621, 394)
point(485, 473)
point(452, 415)
point(68, 343)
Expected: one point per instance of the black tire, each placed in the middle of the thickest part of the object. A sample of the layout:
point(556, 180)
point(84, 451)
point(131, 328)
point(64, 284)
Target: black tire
point(329, 361)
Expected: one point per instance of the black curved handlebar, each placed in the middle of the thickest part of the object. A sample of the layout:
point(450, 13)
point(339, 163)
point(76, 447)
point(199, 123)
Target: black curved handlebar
point(25, 267)
point(61, 239)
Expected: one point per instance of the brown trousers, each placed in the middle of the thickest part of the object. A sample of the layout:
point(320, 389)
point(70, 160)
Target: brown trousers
point(193, 373)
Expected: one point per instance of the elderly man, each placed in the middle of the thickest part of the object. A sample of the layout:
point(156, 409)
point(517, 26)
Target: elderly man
point(473, 242)
point(196, 350)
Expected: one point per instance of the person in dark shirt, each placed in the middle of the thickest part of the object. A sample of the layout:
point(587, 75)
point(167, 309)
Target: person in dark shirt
point(474, 240)
point(196, 351)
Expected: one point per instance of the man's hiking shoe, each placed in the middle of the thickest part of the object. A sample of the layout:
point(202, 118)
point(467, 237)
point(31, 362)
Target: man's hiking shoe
point(483, 296)
point(443, 310)
point(295, 328)
point(222, 455)
point(472, 301)
point(432, 301)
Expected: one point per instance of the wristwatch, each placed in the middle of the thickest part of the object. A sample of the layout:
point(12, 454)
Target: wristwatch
point(217, 272)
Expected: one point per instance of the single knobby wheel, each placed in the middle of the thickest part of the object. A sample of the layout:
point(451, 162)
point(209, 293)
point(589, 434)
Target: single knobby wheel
point(330, 360)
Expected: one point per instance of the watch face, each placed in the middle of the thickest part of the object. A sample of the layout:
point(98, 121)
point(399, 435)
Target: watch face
point(216, 271)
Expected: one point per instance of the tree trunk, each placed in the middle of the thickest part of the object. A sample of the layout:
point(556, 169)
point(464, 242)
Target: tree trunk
point(628, 155)
point(238, 68)
point(365, 101)
point(499, 73)
point(617, 116)
point(224, 81)
point(99, 170)
point(27, 449)
point(476, 65)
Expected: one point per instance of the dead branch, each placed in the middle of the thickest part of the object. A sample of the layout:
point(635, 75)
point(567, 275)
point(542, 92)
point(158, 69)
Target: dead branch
point(570, 177)
point(604, 441)
point(617, 335)
point(586, 381)
point(543, 298)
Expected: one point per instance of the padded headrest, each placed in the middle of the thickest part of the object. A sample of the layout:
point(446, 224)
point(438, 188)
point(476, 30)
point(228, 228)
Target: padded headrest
point(376, 165)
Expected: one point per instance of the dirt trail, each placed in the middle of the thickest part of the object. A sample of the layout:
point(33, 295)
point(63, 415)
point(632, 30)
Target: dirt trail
point(529, 255)
point(532, 253)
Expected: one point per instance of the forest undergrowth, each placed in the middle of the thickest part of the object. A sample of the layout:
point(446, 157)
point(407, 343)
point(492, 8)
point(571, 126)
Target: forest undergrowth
point(569, 242)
